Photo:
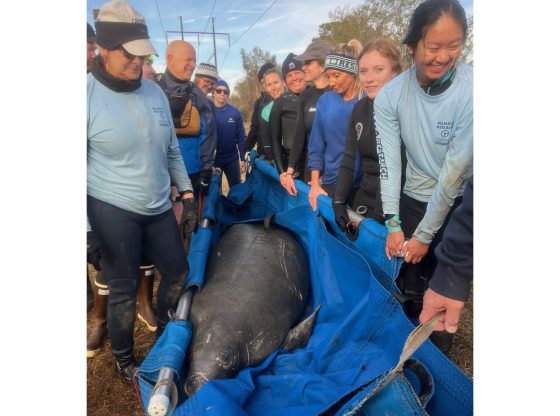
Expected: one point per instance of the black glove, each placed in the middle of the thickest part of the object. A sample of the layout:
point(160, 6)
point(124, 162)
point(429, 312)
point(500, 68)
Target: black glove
point(203, 182)
point(189, 218)
point(340, 215)
point(93, 250)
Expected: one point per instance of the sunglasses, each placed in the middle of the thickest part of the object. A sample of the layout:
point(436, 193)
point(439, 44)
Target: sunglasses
point(128, 55)
point(220, 91)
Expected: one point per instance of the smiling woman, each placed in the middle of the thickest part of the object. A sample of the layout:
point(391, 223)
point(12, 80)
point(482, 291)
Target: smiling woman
point(378, 63)
point(434, 122)
point(282, 122)
point(128, 209)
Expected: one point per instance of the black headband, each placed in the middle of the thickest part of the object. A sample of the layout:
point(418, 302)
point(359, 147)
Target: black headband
point(341, 63)
point(111, 35)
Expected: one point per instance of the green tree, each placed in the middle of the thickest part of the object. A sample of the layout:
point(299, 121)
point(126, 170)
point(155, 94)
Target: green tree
point(248, 90)
point(377, 18)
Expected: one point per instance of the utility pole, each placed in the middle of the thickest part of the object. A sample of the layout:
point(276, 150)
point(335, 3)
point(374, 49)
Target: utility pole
point(214, 33)
point(181, 20)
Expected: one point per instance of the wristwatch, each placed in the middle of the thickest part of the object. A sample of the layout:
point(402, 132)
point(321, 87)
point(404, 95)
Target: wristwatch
point(393, 224)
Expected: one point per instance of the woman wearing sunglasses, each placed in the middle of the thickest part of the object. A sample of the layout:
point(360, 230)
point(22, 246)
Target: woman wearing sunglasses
point(132, 159)
point(231, 135)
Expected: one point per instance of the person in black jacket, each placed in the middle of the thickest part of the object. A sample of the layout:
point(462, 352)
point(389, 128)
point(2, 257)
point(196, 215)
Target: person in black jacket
point(449, 287)
point(254, 136)
point(282, 120)
point(313, 67)
point(274, 86)
point(378, 63)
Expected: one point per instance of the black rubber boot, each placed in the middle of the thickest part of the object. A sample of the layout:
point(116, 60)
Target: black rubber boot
point(126, 367)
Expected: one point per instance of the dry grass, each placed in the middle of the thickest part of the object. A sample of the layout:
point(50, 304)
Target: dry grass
point(107, 395)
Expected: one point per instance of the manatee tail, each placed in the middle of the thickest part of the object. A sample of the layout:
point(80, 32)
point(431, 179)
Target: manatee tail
point(300, 334)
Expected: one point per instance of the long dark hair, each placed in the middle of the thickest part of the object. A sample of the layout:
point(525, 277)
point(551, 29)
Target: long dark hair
point(427, 13)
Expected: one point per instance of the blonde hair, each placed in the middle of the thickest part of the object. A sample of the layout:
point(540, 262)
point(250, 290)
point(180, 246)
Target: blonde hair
point(388, 49)
point(352, 49)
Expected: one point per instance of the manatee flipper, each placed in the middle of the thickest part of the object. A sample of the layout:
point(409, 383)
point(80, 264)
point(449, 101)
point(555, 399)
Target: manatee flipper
point(300, 334)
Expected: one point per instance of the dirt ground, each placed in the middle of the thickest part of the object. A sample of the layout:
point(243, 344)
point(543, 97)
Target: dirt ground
point(107, 395)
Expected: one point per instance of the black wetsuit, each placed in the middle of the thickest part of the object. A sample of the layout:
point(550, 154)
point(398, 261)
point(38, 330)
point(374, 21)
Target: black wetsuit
point(282, 126)
point(304, 122)
point(255, 132)
point(361, 143)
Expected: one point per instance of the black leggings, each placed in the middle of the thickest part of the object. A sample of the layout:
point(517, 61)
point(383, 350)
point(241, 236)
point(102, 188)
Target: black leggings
point(123, 237)
point(413, 278)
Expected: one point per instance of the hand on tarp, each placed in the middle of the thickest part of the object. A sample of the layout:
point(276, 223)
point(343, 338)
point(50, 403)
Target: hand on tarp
point(93, 251)
point(348, 227)
point(189, 218)
point(451, 308)
point(203, 182)
point(340, 215)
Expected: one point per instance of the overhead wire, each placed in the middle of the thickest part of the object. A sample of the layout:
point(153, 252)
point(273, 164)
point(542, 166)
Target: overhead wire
point(244, 33)
point(160, 21)
point(208, 21)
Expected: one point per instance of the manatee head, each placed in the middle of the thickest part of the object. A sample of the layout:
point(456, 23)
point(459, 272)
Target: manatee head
point(210, 361)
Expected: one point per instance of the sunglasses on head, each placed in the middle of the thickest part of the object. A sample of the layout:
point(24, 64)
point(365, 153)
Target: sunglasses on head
point(221, 91)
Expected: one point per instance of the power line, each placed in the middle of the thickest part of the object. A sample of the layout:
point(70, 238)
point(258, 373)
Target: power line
point(259, 18)
point(244, 33)
point(160, 21)
point(209, 17)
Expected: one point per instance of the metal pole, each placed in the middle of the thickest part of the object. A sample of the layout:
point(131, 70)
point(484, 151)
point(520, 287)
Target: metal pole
point(214, 36)
point(181, 20)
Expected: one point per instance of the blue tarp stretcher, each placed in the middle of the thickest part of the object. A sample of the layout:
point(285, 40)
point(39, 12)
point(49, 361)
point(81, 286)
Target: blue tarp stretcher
point(357, 339)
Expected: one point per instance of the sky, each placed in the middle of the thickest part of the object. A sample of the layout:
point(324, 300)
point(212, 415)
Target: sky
point(277, 26)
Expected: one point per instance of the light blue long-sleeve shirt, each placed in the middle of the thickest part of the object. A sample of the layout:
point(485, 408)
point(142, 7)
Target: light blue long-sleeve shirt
point(132, 151)
point(437, 132)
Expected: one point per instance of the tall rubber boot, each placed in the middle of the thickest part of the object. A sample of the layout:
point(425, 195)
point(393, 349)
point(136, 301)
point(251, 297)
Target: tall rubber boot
point(126, 367)
point(144, 295)
point(99, 320)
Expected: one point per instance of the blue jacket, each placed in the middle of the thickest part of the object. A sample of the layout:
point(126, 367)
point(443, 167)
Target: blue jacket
point(454, 271)
point(328, 135)
point(231, 135)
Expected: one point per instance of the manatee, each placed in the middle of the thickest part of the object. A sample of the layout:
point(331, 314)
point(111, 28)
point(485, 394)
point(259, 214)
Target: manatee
point(255, 294)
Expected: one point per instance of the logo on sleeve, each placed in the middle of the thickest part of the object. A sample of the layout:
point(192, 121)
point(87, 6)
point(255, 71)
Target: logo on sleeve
point(359, 129)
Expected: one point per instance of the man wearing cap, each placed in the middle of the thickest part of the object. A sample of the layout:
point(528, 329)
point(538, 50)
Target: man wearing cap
point(231, 135)
point(313, 64)
point(205, 77)
point(129, 127)
point(255, 135)
point(283, 114)
point(193, 116)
